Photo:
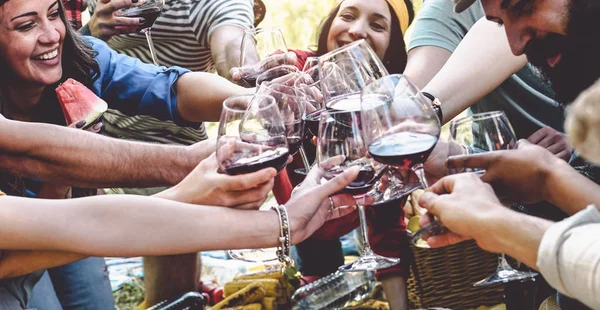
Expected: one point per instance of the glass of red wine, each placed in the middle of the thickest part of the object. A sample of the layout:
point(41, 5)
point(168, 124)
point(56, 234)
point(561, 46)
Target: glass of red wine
point(399, 124)
point(251, 137)
point(349, 69)
point(149, 10)
point(340, 137)
point(261, 49)
point(479, 133)
point(275, 73)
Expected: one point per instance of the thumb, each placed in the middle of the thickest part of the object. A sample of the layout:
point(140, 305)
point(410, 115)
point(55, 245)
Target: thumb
point(523, 143)
point(427, 200)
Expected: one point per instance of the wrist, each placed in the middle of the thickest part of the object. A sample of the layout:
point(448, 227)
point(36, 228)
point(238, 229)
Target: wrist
point(552, 174)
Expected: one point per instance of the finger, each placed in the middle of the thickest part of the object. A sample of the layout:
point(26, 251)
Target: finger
point(78, 125)
point(565, 155)
point(336, 184)
point(538, 136)
point(339, 212)
point(96, 128)
point(445, 240)
point(557, 148)
point(253, 198)
point(482, 160)
point(128, 21)
point(247, 181)
point(549, 140)
point(523, 143)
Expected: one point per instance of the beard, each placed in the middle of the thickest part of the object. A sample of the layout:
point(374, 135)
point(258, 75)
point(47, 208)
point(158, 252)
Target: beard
point(579, 66)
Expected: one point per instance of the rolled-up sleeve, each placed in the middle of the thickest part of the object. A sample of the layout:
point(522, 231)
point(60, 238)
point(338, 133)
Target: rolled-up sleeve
point(569, 256)
point(134, 87)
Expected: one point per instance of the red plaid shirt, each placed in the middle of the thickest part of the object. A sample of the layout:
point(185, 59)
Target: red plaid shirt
point(73, 9)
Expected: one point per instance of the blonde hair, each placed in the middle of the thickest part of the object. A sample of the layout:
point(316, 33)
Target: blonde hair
point(582, 123)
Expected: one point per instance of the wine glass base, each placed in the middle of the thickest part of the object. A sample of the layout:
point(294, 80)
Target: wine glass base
point(506, 275)
point(254, 255)
point(431, 229)
point(369, 262)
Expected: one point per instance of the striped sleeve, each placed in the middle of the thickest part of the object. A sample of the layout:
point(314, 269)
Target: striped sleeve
point(208, 15)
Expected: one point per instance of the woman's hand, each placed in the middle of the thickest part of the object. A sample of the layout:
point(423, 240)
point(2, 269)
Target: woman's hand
point(104, 24)
point(309, 208)
point(207, 186)
point(466, 205)
point(238, 73)
point(517, 175)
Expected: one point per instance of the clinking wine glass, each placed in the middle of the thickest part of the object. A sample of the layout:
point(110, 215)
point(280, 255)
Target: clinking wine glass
point(261, 49)
point(400, 125)
point(149, 10)
point(340, 137)
point(349, 69)
point(251, 137)
point(479, 133)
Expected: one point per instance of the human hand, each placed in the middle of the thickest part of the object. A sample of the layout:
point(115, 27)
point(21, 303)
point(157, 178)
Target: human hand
point(238, 74)
point(207, 186)
point(553, 141)
point(309, 208)
point(516, 175)
point(104, 24)
point(466, 206)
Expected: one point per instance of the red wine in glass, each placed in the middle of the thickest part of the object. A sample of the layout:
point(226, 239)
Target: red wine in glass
point(294, 144)
point(363, 183)
point(311, 122)
point(150, 14)
point(249, 79)
point(403, 149)
point(239, 163)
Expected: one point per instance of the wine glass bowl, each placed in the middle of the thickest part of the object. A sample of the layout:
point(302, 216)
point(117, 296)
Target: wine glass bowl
point(149, 10)
point(261, 48)
point(251, 135)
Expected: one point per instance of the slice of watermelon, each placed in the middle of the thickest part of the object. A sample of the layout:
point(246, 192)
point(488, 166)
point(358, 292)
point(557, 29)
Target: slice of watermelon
point(79, 103)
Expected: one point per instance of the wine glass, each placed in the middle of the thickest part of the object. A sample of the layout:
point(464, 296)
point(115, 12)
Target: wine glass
point(292, 106)
point(275, 73)
point(487, 132)
point(349, 69)
point(149, 10)
point(340, 137)
point(261, 48)
point(400, 125)
point(251, 137)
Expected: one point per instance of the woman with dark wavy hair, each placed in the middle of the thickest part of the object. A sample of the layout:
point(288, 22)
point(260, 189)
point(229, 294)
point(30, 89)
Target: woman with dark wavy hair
point(38, 51)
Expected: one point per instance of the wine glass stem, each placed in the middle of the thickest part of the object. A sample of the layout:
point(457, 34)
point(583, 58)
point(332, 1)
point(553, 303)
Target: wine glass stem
point(502, 263)
point(304, 159)
point(150, 45)
point(366, 248)
point(420, 172)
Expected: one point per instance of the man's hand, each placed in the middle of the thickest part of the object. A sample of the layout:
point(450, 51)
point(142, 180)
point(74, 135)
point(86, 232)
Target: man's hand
point(465, 204)
point(553, 141)
point(104, 24)
point(239, 73)
point(207, 186)
point(517, 175)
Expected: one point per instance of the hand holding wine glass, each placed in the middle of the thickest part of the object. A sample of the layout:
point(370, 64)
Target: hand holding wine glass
point(148, 10)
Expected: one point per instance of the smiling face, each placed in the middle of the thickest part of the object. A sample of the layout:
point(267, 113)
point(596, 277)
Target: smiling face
point(559, 37)
point(357, 19)
point(31, 41)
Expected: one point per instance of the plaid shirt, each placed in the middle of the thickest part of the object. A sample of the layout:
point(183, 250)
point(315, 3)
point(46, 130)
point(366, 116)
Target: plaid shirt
point(73, 9)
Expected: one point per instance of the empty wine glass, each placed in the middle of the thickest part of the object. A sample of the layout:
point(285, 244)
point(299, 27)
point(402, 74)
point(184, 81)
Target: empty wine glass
point(251, 137)
point(340, 136)
point(479, 133)
point(261, 49)
point(400, 125)
point(149, 10)
point(349, 69)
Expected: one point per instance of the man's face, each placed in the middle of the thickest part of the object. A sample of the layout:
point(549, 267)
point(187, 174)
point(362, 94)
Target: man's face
point(559, 37)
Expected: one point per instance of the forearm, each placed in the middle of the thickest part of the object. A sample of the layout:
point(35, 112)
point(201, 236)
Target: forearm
point(567, 189)
point(225, 44)
point(424, 62)
point(395, 291)
point(123, 225)
point(18, 263)
point(71, 157)
point(200, 96)
point(480, 63)
point(515, 234)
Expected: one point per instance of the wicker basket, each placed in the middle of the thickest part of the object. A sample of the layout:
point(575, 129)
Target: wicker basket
point(444, 277)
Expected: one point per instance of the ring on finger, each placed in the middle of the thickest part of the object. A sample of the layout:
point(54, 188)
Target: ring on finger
point(331, 205)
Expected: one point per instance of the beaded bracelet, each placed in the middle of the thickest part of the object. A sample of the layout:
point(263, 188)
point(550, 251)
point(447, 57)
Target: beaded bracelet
point(283, 250)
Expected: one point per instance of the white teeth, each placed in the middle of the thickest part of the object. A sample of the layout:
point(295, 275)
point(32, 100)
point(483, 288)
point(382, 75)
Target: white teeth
point(48, 56)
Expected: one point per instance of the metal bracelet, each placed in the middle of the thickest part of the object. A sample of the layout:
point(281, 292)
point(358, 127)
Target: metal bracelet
point(283, 250)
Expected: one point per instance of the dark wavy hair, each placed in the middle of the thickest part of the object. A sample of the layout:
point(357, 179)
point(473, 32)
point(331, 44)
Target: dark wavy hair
point(395, 57)
point(78, 63)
